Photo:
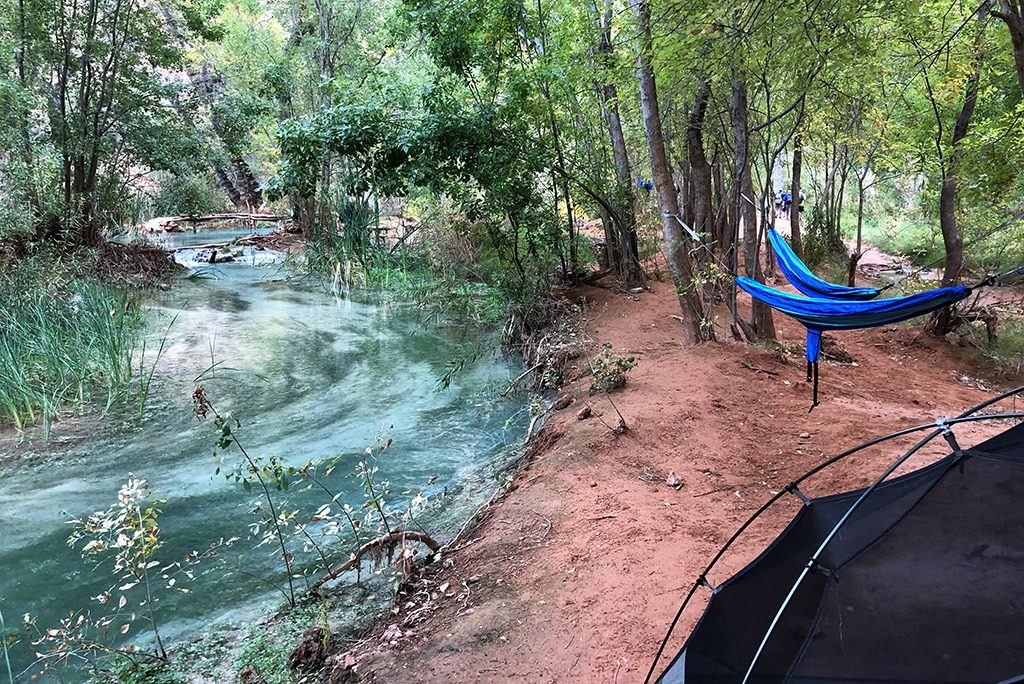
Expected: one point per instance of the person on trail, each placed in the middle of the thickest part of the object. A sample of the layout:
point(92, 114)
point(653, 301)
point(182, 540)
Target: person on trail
point(787, 203)
point(778, 203)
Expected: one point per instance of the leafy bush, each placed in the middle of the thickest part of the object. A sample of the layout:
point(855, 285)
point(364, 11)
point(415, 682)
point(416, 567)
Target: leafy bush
point(609, 370)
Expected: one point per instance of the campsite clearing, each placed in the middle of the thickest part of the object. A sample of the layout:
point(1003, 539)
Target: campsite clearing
point(576, 573)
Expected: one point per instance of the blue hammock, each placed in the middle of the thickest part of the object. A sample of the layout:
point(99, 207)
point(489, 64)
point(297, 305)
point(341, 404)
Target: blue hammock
point(806, 282)
point(819, 315)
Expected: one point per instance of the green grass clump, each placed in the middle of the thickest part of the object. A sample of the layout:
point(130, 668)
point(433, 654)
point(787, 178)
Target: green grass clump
point(62, 342)
point(268, 656)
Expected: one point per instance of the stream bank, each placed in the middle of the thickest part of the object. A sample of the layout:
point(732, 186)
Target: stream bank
point(311, 378)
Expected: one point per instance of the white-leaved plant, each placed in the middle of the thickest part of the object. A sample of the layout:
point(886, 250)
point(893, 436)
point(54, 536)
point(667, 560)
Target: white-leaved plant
point(126, 535)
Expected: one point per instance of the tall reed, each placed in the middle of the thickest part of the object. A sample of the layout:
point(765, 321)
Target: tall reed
point(62, 344)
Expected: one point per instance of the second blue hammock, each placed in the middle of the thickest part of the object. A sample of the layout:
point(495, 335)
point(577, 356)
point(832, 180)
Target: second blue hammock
point(806, 282)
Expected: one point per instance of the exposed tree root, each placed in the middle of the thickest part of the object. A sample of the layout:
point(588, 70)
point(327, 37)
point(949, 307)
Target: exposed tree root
point(378, 547)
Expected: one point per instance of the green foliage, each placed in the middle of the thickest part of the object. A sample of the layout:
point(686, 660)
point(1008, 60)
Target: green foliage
point(86, 103)
point(127, 536)
point(1006, 352)
point(267, 654)
point(201, 655)
point(184, 196)
point(144, 672)
point(821, 241)
point(609, 370)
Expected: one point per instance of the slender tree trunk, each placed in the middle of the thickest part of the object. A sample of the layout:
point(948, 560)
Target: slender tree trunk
point(794, 212)
point(700, 170)
point(1010, 12)
point(677, 253)
point(723, 236)
point(627, 251)
point(762, 325)
point(623, 246)
point(942, 321)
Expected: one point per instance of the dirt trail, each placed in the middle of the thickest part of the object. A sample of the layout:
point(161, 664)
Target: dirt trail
point(578, 572)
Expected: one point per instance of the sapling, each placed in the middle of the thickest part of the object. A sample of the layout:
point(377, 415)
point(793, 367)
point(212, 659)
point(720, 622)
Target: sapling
point(250, 469)
point(127, 535)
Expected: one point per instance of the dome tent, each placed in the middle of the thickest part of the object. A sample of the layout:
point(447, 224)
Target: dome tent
point(915, 579)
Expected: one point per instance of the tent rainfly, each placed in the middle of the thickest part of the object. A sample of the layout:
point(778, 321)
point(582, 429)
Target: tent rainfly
point(915, 579)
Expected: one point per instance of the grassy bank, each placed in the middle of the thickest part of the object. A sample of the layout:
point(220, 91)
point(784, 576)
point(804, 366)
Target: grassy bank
point(69, 327)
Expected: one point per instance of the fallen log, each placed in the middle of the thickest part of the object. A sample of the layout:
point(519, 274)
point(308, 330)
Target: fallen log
point(223, 217)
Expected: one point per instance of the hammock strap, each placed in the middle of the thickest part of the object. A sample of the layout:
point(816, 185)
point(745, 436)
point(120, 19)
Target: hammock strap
point(696, 238)
point(815, 401)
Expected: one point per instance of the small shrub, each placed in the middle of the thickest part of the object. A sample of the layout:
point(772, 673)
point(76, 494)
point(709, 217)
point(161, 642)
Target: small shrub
point(184, 196)
point(609, 370)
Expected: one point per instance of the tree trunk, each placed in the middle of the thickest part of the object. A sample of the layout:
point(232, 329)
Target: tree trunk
point(794, 212)
point(942, 321)
point(228, 185)
point(695, 327)
point(625, 251)
point(1010, 12)
point(723, 236)
point(762, 325)
point(700, 169)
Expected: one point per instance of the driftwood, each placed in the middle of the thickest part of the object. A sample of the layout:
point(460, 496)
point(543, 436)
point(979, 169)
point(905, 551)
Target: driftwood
point(388, 541)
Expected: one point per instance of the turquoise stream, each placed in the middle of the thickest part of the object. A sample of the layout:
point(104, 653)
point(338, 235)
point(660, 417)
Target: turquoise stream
point(310, 377)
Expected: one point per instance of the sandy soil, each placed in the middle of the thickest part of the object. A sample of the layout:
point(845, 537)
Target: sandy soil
point(575, 575)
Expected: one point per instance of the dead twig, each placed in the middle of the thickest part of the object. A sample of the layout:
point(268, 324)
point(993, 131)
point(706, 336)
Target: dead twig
point(715, 491)
point(515, 383)
point(759, 370)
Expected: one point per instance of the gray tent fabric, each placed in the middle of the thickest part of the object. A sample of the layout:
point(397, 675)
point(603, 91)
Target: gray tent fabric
point(923, 583)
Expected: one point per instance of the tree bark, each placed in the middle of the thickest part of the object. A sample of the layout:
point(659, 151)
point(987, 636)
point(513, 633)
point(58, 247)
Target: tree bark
point(677, 250)
point(942, 321)
point(700, 169)
point(762, 325)
point(625, 251)
point(1010, 12)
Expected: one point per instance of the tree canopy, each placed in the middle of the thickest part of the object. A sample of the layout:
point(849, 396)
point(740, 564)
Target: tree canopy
point(528, 118)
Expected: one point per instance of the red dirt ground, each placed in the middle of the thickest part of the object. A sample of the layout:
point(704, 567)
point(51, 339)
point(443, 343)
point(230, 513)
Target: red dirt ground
point(575, 575)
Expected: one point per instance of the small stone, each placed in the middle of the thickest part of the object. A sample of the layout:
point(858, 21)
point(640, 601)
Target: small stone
point(562, 402)
point(583, 413)
point(637, 290)
point(673, 480)
point(473, 579)
point(593, 484)
point(805, 435)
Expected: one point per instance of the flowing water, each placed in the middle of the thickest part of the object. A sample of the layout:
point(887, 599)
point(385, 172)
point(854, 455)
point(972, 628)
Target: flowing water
point(310, 376)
